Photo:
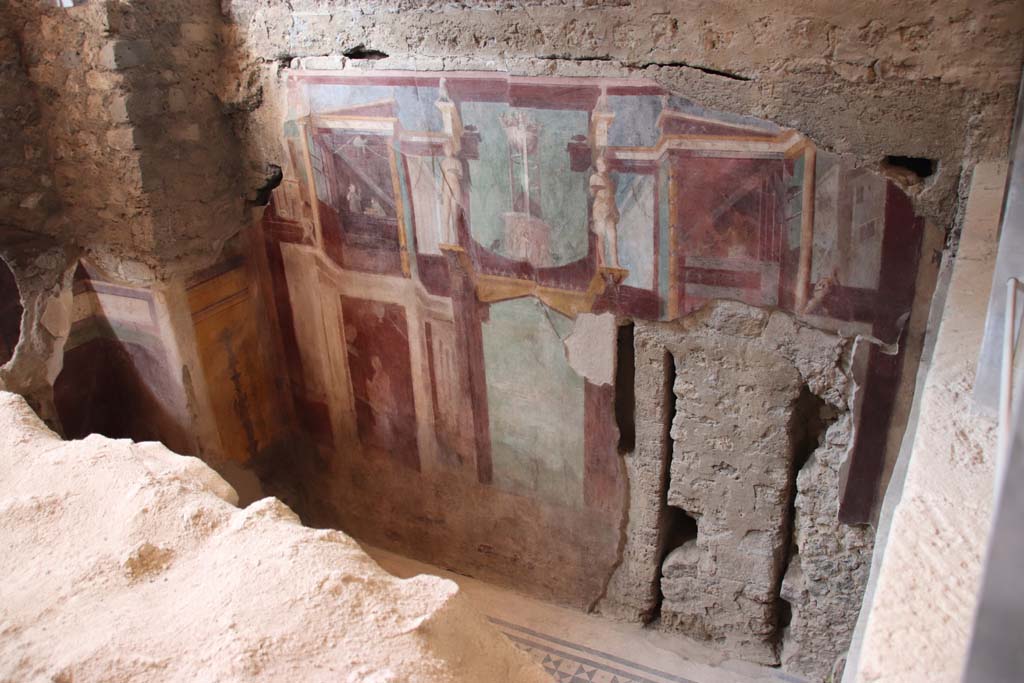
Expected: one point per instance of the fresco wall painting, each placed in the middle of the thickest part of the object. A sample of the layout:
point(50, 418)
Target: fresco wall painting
point(233, 363)
point(116, 378)
point(436, 239)
point(184, 364)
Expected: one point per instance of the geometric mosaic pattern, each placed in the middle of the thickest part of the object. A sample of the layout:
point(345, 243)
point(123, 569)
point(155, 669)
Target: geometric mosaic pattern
point(569, 662)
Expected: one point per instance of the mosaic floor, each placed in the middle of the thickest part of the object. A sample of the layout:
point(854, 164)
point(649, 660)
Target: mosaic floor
point(589, 648)
point(573, 663)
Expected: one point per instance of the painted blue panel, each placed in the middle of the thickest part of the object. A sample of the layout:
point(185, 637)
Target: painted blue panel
point(635, 122)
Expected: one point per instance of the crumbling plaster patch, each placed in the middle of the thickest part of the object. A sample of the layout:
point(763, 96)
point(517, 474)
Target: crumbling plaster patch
point(590, 347)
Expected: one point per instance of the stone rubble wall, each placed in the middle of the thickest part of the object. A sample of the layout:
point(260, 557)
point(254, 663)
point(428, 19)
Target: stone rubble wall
point(142, 153)
point(31, 228)
point(731, 470)
point(735, 475)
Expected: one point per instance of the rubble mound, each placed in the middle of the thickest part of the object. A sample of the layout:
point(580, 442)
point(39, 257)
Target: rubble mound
point(126, 562)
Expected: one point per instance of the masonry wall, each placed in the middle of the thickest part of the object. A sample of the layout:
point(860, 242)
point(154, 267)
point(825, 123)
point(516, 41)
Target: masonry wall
point(866, 81)
point(764, 569)
point(463, 385)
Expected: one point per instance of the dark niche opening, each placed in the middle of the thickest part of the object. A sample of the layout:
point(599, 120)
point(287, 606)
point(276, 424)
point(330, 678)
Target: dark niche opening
point(919, 167)
point(362, 52)
point(676, 526)
point(811, 419)
point(680, 527)
point(625, 390)
point(116, 381)
point(10, 313)
point(784, 613)
point(263, 192)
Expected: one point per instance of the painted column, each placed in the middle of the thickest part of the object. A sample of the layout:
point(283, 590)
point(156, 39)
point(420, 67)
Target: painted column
point(803, 277)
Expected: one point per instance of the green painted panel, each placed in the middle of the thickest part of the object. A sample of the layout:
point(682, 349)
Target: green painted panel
point(564, 202)
point(535, 403)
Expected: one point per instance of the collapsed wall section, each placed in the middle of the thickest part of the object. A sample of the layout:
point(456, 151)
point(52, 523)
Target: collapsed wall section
point(761, 427)
point(731, 469)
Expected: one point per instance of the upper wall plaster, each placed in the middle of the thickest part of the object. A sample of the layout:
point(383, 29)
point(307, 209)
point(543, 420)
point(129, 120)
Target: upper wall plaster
point(145, 125)
point(920, 79)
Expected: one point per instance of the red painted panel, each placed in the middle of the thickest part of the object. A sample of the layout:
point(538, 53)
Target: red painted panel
point(283, 304)
point(548, 96)
point(726, 211)
point(901, 249)
point(433, 272)
point(316, 419)
point(701, 127)
point(602, 465)
point(377, 339)
point(723, 278)
point(359, 217)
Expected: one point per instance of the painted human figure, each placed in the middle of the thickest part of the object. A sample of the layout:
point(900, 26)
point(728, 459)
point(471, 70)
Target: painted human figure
point(354, 198)
point(375, 210)
point(382, 403)
point(605, 214)
point(451, 192)
point(823, 289)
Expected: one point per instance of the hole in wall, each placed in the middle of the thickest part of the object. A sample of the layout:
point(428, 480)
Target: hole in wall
point(784, 610)
point(10, 312)
point(264, 191)
point(110, 387)
point(912, 169)
point(680, 527)
point(362, 52)
point(811, 418)
point(625, 389)
point(669, 393)
point(672, 526)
